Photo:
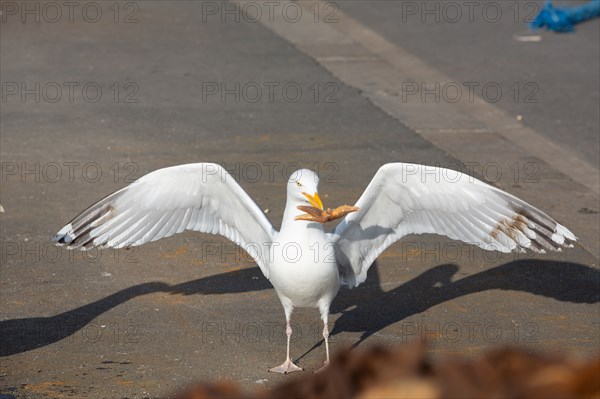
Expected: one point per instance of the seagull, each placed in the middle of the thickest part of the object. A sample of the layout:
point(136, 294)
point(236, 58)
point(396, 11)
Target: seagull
point(306, 265)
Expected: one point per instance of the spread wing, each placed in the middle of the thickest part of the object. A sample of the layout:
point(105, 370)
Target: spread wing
point(201, 197)
point(407, 199)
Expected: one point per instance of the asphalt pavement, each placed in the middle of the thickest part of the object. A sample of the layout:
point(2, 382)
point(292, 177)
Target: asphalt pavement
point(98, 94)
point(551, 83)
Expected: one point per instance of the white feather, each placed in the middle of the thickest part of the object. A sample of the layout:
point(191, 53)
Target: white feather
point(405, 199)
point(201, 197)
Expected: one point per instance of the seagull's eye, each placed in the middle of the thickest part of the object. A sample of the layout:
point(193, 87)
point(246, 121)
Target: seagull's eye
point(298, 184)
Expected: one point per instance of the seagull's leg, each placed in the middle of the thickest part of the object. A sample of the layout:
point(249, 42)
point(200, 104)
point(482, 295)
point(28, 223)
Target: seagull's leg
point(288, 366)
point(326, 336)
point(324, 317)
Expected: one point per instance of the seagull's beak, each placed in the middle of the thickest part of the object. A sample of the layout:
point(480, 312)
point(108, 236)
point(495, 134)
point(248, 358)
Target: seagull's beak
point(314, 200)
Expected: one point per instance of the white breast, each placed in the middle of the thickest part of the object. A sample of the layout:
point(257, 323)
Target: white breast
point(304, 268)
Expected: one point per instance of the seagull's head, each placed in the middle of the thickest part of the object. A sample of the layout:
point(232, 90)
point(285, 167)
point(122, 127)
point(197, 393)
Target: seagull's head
point(303, 188)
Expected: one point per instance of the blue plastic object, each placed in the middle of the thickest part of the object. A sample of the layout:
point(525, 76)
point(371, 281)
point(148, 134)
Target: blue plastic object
point(563, 19)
